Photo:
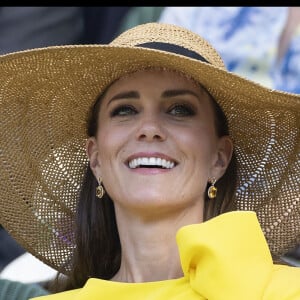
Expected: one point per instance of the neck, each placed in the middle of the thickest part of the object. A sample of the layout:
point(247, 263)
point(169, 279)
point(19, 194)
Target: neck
point(149, 248)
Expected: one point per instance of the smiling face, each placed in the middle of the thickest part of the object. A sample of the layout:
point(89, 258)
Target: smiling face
point(156, 145)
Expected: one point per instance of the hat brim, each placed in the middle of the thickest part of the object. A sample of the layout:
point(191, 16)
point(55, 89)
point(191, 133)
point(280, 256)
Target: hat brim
point(44, 98)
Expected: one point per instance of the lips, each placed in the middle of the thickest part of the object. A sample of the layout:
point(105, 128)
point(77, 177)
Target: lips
point(151, 162)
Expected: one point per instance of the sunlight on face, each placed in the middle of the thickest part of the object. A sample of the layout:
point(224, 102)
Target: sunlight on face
point(156, 145)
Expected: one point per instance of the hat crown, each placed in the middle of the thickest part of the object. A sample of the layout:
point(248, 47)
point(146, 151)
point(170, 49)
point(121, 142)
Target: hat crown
point(169, 34)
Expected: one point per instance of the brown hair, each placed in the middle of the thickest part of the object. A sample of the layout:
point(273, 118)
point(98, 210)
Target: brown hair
point(226, 185)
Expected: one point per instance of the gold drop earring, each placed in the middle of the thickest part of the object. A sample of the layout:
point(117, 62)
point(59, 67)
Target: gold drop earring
point(99, 189)
point(212, 190)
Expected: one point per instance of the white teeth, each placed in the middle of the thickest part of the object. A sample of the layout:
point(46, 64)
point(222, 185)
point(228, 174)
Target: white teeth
point(151, 161)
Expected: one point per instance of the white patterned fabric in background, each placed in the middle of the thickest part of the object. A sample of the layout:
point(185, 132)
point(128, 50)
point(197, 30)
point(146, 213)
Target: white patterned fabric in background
point(247, 39)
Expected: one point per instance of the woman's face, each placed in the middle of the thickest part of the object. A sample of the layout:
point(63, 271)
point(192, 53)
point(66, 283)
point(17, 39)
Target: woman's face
point(156, 145)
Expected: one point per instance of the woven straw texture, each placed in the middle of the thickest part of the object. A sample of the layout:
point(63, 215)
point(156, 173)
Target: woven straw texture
point(45, 95)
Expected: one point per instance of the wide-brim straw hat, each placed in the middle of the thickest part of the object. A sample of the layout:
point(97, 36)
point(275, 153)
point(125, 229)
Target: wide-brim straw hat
point(44, 98)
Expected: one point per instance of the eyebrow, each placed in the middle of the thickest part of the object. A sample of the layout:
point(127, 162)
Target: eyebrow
point(178, 92)
point(125, 95)
point(165, 94)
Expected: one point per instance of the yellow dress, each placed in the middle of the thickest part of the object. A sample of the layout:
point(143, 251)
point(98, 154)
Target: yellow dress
point(225, 258)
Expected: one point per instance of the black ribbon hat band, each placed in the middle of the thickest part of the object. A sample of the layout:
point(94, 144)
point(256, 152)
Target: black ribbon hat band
point(173, 49)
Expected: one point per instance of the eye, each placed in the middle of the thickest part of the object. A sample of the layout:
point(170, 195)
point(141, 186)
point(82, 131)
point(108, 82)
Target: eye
point(123, 110)
point(182, 110)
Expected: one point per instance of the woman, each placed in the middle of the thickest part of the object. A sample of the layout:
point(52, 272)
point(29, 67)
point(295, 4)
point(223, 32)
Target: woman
point(155, 211)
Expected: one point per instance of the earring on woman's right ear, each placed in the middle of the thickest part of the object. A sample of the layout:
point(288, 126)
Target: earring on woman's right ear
point(212, 190)
point(99, 189)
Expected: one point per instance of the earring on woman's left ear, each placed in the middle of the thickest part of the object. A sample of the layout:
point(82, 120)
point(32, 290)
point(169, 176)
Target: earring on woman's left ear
point(212, 190)
point(99, 189)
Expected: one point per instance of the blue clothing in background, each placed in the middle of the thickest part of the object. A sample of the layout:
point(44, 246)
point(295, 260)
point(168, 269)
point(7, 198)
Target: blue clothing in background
point(247, 39)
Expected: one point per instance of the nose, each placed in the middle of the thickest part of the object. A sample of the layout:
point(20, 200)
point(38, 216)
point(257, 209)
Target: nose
point(151, 129)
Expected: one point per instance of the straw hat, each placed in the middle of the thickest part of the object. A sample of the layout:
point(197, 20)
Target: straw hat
point(45, 95)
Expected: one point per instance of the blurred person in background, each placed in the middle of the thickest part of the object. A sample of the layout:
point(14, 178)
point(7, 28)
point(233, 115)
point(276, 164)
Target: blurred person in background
point(261, 43)
point(29, 27)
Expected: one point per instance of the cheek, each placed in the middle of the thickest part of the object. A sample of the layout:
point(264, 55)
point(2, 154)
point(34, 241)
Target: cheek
point(199, 140)
point(110, 140)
